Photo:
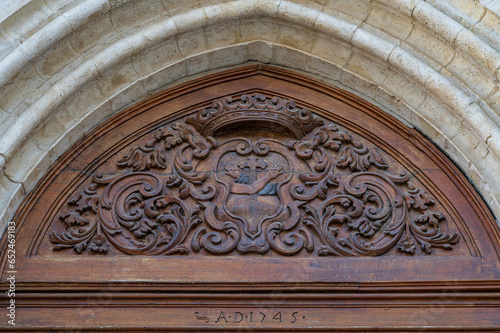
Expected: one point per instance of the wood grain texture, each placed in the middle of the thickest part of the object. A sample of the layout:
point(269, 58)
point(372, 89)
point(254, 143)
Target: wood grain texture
point(256, 190)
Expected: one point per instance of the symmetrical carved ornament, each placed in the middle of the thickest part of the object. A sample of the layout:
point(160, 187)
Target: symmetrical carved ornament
point(224, 181)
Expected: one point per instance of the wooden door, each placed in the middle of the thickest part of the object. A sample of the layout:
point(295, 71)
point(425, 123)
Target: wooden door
point(255, 200)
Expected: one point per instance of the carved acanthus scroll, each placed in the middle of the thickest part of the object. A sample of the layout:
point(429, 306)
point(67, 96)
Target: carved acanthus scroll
point(196, 187)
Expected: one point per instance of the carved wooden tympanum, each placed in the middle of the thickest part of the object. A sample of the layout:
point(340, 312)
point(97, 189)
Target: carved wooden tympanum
point(255, 199)
point(253, 173)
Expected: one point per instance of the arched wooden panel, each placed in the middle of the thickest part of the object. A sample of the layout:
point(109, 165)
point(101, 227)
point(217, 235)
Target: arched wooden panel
point(256, 199)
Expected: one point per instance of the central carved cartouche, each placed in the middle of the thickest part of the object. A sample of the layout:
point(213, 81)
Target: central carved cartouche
point(197, 187)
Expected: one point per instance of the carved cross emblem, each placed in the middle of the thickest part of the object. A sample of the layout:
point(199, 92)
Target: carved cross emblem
point(252, 163)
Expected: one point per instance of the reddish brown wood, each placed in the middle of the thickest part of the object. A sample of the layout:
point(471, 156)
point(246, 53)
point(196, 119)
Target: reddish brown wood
point(263, 181)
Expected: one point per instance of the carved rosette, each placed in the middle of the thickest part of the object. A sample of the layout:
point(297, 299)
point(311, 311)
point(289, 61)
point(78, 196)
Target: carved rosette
point(197, 187)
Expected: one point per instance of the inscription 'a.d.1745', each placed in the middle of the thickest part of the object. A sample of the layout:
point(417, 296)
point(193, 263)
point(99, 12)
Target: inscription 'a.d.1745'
point(250, 317)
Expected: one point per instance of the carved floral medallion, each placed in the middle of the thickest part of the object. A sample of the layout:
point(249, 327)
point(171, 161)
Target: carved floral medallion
point(252, 175)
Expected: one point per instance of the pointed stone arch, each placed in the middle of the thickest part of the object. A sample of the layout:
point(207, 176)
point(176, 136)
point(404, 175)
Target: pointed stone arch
point(439, 66)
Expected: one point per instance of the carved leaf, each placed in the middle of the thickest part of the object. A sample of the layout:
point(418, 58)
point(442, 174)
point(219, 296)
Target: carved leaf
point(335, 139)
point(325, 184)
point(366, 227)
point(429, 218)
point(326, 136)
point(74, 218)
point(154, 153)
point(80, 247)
point(360, 158)
point(143, 227)
point(85, 200)
point(417, 199)
point(428, 233)
point(72, 238)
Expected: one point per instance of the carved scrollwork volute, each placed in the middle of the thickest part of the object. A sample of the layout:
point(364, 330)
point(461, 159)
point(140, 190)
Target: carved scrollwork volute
point(286, 182)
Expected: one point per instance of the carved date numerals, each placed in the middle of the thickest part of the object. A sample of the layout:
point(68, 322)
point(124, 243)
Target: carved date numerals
point(249, 317)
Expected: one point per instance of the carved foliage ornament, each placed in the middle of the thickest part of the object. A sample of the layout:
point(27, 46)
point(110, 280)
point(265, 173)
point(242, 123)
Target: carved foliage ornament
point(197, 187)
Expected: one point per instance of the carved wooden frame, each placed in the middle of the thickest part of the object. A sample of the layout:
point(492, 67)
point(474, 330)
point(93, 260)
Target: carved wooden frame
point(422, 277)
